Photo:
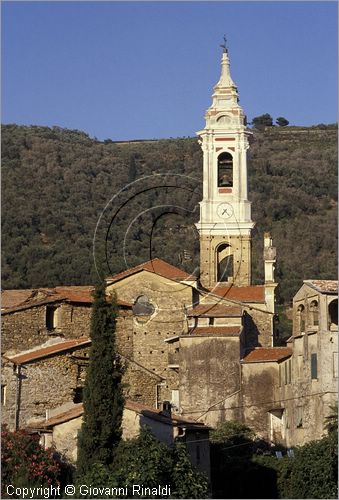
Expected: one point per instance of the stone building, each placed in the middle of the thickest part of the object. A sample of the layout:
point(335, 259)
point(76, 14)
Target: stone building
point(45, 339)
point(204, 343)
point(61, 426)
point(308, 384)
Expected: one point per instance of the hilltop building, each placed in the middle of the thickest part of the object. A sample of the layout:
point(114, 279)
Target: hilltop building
point(205, 344)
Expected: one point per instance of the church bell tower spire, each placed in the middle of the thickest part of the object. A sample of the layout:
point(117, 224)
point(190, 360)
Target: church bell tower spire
point(225, 212)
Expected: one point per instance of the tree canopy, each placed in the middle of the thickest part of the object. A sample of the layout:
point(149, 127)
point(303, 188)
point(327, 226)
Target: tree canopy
point(56, 183)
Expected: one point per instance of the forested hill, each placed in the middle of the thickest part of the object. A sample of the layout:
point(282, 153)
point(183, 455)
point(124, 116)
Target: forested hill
point(57, 182)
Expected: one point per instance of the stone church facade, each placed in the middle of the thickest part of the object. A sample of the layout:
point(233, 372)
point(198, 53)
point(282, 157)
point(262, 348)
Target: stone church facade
point(205, 344)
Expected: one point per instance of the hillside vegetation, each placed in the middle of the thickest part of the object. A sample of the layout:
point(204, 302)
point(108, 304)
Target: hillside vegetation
point(58, 185)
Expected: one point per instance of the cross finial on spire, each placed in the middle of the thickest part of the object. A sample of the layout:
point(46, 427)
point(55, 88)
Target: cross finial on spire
point(224, 45)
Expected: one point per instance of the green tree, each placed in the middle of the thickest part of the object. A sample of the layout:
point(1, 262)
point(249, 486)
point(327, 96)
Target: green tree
point(148, 462)
point(282, 122)
point(145, 460)
point(313, 473)
point(103, 398)
point(142, 460)
point(232, 434)
point(186, 482)
point(262, 121)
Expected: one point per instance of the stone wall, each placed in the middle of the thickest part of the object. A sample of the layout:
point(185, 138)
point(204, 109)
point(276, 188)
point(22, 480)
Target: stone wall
point(25, 329)
point(258, 394)
point(149, 332)
point(210, 378)
point(258, 326)
point(241, 247)
point(308, 400)
point(44, 384)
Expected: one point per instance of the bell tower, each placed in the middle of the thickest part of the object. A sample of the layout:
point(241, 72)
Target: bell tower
point(225, 213)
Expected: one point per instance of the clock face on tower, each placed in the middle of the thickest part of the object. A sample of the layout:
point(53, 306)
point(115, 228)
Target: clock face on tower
point(225, 210)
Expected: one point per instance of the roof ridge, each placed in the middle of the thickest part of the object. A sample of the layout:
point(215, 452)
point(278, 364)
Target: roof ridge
point(150, 266)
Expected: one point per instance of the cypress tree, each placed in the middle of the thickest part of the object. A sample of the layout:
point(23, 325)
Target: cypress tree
point(103, 398)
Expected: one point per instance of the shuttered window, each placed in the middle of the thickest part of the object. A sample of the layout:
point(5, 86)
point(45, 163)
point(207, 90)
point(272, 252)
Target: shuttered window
point(314, 366)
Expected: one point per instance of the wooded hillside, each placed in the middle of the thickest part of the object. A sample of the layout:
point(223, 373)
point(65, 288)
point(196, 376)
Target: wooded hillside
point(57, 182)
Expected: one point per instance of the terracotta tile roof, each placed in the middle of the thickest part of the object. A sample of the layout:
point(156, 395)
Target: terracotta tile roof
point(13, 298)
point(240, 293)
point(215, 310)
point(156, 266)
point(146, 411)
point(62, 417)
point(18, 300)
point(266, 354)
point(323, 286)
point(154, 414)
point(80, 294)
point(43, 352)
point(216, 330)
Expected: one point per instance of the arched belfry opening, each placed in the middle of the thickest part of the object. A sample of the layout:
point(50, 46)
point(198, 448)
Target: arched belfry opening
point(224, 259)
point(301, 319)
point(225, 170)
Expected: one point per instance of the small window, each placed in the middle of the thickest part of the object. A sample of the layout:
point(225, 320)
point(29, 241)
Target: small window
point(314, 366)
point(3, 394)
point(299, 416)
point(314, 318)
point(286, 373)
point(198, 454)
point(175, 399)
point(52, 317)
point(280, 376)
point(78, 395)
point(289, 371)
point(301, 318)
point(333, 312)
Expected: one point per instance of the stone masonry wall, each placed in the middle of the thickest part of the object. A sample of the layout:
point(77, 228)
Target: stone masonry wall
point(258, 390)
point(149, 332)
point(241, 247)
point(210, 378)
point(44, 384)
point(23, 330)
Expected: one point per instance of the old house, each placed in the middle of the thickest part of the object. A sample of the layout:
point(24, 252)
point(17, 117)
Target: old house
point(61, 426)
point(45, 339)
point(308, 384)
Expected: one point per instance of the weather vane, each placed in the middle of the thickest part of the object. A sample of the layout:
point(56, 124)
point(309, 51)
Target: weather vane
point(224, 45)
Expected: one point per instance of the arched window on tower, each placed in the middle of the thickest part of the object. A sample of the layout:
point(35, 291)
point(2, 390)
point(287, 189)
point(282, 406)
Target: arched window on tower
point(301, 318)
point(333, 314)
point(224, 262)
point(225, 170)
point(314, 317)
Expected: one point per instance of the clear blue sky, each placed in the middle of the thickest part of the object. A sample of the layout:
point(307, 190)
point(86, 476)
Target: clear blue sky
point(127, 70)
